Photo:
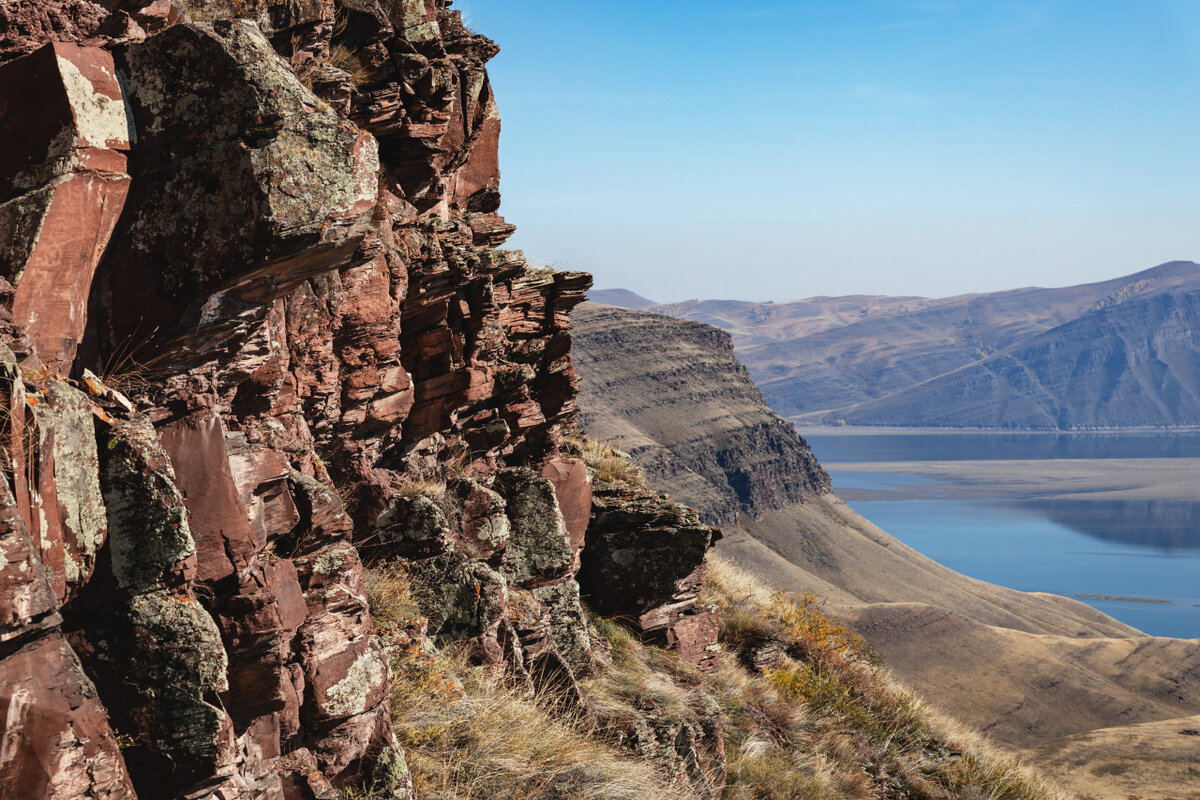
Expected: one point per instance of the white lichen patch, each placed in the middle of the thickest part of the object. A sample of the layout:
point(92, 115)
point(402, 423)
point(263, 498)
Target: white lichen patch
point(495, 530)
point(99, 119)
point(65, 423)
point(349, 696)
point(3, 559)
point(329, 563)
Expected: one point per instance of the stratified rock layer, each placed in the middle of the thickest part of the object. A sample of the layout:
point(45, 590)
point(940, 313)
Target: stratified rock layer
point(286, 282)
point(255, 329)
point(703, 433)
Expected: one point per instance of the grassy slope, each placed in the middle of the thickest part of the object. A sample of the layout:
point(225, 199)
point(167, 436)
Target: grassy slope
point(823, 721)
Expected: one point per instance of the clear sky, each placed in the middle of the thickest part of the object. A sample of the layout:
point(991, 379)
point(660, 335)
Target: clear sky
point(766, 149)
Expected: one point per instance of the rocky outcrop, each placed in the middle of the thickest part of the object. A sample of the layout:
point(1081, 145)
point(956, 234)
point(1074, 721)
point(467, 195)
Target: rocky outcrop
point(693, 420)
point(256, 331)
point(286, 280)
point(643, 561)
point(493, 562)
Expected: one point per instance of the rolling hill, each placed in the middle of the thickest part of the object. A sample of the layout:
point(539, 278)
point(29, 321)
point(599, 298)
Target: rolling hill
point(1119, 353)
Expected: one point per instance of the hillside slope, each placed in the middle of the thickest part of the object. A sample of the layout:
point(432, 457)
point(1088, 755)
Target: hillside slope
point(827, 358)
point(1135, 363)
point(1028, 668)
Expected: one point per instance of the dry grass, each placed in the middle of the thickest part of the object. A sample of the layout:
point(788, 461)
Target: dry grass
point(640, 680)
point(606, 463)
point(849, 712)
point(429, 487)
point(348, 61)
point(823, 722)
point(470, 737)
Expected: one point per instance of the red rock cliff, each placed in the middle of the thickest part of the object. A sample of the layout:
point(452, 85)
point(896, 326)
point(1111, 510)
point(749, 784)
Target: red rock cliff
point(250, 286)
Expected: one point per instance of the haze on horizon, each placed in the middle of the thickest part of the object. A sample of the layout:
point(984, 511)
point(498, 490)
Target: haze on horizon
point(773, 150)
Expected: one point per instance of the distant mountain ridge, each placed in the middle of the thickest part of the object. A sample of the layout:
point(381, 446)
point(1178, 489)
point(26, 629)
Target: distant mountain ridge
point(1114, 354)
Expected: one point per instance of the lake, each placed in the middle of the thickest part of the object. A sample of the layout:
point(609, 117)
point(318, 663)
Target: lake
point(1077, 514)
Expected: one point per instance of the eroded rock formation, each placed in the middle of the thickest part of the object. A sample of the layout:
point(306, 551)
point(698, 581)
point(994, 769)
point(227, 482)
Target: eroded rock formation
point(256, 330)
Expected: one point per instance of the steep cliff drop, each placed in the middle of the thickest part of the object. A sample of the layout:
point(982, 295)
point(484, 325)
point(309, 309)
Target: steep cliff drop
point(251, 297)
point(1031, 670)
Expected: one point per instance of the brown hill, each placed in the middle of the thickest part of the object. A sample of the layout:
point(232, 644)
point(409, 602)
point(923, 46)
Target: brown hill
point(857, 358)
point(1133, 364)
point(1028, 668)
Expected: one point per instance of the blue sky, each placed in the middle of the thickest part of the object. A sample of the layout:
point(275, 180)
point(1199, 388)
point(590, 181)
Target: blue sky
point(776, 150)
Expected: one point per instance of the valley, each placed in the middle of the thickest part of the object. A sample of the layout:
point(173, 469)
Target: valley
point(1037, 672)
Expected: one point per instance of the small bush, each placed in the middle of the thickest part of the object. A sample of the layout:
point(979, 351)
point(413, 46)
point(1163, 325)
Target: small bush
point(606, 463)
point(804, 619)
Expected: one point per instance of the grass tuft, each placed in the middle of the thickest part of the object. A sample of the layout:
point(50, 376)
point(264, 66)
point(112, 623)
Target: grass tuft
point(606, 463)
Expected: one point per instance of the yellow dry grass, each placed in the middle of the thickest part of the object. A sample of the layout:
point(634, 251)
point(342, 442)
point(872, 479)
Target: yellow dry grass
point(853, 711)
point(825, 721)
point(605, 462)
point(469, 736)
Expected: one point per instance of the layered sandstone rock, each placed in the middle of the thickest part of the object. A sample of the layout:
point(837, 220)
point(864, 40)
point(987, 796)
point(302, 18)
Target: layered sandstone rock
point(251, 298)
point(703, 434)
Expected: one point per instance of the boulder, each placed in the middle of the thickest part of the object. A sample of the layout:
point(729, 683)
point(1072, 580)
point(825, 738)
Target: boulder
point(242, 211)
point(57, 741)
point(63, 184)
point(643, 560)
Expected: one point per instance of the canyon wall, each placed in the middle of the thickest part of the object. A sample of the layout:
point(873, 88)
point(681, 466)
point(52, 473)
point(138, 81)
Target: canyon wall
point(695, 420)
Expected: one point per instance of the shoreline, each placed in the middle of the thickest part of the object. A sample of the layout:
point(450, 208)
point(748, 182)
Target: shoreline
point(1172, 479)
point(889, 430)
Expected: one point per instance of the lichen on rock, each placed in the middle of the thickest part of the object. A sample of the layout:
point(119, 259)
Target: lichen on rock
point(147, 519)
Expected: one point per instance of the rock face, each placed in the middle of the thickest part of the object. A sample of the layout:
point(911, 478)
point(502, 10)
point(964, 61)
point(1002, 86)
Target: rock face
point(644, 561)
point(694, 421)
point(250, 298)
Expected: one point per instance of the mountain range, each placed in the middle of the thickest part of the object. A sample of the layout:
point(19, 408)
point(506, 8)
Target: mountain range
point(1116, 354)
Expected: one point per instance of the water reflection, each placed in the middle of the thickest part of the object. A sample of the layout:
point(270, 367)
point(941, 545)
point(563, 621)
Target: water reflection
point(1168, 525)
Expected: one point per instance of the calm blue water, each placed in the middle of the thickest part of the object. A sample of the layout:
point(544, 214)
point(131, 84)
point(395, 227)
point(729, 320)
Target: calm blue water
point(1000, 446)
point(1142, 548)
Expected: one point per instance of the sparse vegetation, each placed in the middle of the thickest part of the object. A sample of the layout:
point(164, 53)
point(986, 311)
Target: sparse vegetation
point(468, 735)
point(347, 60)
point(850, 714)
point(129, 366)
point(824, 720)
point(606, 463)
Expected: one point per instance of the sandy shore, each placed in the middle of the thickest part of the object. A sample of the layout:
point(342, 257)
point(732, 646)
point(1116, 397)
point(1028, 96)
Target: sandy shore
point(1055, 479)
